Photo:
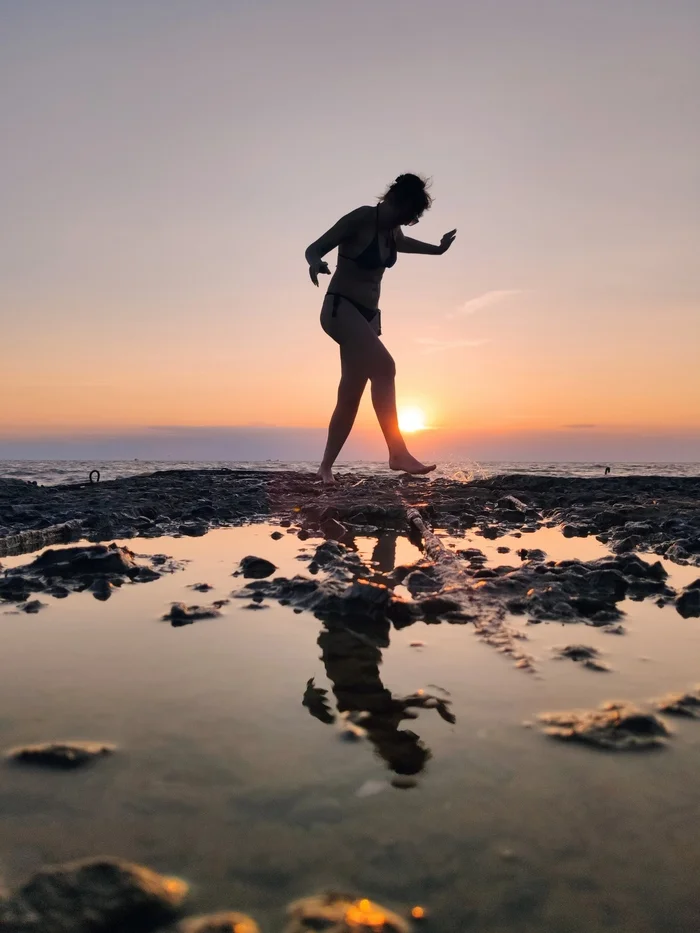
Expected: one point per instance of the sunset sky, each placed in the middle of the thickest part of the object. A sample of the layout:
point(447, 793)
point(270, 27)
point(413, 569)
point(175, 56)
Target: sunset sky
point(165, 164)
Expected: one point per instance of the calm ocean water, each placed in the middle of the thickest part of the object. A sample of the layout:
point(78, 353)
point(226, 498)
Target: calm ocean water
point(48, 472)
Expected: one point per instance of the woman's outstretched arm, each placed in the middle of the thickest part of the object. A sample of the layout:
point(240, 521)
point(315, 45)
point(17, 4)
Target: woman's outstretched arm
point(406, 244)
point(342, 230)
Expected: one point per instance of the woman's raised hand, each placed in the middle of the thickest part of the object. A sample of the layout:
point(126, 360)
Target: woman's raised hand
point(319, 267)
point(447, 240)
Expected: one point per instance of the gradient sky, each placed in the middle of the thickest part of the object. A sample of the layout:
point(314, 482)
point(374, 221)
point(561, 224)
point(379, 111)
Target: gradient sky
point(165, 164)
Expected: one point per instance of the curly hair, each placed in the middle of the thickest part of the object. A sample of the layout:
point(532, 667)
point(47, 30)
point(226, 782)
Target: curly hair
point(411, 191)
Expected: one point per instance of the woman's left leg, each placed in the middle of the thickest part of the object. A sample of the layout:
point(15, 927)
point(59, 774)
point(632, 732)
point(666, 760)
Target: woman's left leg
point(353, 380)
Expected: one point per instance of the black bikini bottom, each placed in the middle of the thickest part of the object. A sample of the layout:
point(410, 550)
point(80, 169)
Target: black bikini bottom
point(368, 314)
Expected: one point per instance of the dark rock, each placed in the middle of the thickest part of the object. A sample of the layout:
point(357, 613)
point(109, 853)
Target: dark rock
point(256, 567)
point(419, 582)
point(180, 614)
point(327, 552)
point(61, 755)
point(532, 553)
point(276, 535)
point(33, 606)
point(433, 606)
point(472, 554)
point(201, 587)
point(628, 543)
point(503, 549)
point(583, 654)
point(688, 603)
point(615, 726)
point(16, 588)
point(193, 529)
point(97, 559)
point(101, 895)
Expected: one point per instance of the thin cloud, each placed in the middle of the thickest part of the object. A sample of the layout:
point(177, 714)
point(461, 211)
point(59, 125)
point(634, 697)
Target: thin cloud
point(578, 427)
point(485, 301)
point(432, 344)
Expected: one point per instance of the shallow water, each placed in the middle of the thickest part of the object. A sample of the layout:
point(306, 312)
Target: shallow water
point(224, 777)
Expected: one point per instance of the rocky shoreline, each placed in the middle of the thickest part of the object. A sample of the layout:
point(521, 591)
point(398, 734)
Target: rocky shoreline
point(657, 514)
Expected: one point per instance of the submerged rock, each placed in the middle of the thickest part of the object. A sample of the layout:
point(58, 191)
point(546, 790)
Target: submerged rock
point(341, 913)
point(33, 606)
point(97, 568)
point(180, 614)
point(256, 567)
point(229, 921)
point(63, 755)
point(617, 726)
point(100, 895)
point(680, 704)
point(582, 654)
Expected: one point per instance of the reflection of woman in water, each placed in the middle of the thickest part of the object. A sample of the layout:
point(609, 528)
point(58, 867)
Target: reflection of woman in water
point(352, 660)
point(368, 240)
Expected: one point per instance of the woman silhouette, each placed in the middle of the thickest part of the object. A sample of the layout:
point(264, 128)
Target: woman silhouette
point(368, 240)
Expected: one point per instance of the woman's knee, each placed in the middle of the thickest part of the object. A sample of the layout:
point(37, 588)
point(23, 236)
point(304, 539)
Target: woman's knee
point(384, 369)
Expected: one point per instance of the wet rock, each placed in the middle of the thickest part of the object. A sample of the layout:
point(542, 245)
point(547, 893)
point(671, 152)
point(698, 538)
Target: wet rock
point(434, 606)
point(419, 582)
point(201, 587)
point(97, 559)
point(229, 921)
point(531, 553)
point(472, 554)
point(341, 913)
point(148, 574)
point(503, 549)
point(193, 529)
point(256, 567)
point(614, 629)
point(276, 535)
point(575, 531)
point(491, 532)
point(61, 755)
point(582, 654)
point(101, 895)
point(680, 704)
point(16, 588)
point(616, 726)
point(33, 606)
point(327, 552)
point(180, 614)
point(688, 603)
point(626, 544)
point(333, 529)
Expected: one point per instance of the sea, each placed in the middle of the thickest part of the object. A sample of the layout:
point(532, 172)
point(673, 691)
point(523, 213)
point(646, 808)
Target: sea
point(52, 472)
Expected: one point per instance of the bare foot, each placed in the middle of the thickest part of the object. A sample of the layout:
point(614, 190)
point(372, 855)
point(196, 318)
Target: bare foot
point(326, 475)
point(408, 464)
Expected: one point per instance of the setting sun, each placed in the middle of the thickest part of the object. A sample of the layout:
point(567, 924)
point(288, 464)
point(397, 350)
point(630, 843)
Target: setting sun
point(411, 419)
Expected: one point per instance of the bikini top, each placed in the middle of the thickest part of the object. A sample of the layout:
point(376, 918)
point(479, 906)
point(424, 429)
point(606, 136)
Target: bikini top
point(371, 255)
